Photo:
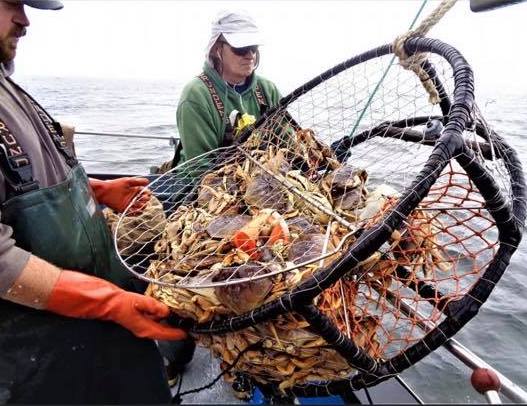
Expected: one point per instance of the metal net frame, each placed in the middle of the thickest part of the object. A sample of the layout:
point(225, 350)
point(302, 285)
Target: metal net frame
point(317, 269)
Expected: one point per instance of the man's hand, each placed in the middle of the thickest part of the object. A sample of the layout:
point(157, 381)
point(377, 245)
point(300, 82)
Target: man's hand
point(42, 285)
point(118, 193)
point(83, 296)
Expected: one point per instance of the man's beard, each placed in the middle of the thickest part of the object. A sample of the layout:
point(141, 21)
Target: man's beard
point(7, 52)
point(5, 55)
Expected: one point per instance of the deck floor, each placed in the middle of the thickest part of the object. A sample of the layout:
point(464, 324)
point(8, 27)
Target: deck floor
point(202, 370)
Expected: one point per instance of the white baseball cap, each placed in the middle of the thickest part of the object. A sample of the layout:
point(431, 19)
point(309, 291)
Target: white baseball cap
point(238, 29)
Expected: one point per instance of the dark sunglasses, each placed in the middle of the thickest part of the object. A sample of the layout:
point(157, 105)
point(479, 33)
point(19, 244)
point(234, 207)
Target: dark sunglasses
point(243, 51)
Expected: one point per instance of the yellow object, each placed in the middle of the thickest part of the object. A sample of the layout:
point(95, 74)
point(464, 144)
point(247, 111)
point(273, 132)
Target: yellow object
point(243, 122)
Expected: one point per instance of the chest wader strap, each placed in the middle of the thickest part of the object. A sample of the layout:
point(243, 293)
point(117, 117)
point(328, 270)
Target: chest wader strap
point(53, 127)
point(15, 164)
point(175, 160)
point(228, 137)
point(262, 101)
point(220, 108)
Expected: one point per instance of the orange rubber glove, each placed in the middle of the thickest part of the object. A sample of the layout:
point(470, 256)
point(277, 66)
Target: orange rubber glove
point(87, 297)
point(118, 193)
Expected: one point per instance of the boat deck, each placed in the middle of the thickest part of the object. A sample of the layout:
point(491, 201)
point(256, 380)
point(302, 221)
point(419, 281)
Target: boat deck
point(204, 368)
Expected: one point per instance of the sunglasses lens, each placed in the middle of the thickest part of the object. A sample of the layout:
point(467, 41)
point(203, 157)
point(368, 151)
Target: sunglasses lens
point(243, 51)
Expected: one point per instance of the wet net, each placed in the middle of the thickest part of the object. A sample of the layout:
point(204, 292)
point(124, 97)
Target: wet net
point(347, 235)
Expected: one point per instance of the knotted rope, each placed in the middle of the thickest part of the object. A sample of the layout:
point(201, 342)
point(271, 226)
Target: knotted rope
point(415, 61)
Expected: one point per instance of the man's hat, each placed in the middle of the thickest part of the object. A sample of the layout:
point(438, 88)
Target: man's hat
point(44, 4)
point(238, 29)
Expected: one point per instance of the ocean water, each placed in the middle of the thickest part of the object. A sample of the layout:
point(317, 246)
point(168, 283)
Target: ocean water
point(148, 108)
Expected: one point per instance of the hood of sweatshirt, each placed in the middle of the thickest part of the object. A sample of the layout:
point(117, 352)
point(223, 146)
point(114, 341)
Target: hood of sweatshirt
point(221, 85)
point(7, 68)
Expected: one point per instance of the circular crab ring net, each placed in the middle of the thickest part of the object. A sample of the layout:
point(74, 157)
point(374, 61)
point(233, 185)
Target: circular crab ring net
point(348, 234)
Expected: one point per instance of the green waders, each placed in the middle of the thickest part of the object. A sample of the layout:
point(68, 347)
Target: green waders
point(46, 358)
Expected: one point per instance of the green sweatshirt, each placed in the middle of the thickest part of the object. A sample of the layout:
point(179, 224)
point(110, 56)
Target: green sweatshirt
point(201, 129)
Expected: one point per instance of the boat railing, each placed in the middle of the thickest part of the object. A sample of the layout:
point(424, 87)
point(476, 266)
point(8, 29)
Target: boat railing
point(172, 141)
point(508, 388)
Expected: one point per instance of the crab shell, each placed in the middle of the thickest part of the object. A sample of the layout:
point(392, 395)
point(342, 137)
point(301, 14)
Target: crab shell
point(245, 296)
point(345, 177)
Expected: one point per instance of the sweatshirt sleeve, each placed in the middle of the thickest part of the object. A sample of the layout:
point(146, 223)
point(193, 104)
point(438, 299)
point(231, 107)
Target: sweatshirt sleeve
point(12, 259)
point(196, 129)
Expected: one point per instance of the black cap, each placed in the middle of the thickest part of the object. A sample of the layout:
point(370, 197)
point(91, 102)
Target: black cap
point(44, 4)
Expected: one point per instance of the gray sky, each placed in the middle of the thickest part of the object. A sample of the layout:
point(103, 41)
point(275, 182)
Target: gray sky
point(166, 39)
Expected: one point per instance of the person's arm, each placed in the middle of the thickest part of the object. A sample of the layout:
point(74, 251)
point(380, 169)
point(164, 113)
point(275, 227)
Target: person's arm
point(44, 286)
point(199, 130)
point(34, 283)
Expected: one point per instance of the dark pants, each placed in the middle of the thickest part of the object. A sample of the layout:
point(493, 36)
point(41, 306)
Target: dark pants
point(80, 361)
point(177, 353)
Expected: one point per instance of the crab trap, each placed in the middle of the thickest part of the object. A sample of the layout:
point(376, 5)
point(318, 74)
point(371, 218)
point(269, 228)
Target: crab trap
point(348, 234)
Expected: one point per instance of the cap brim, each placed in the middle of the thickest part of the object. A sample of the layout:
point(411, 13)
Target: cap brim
point(243, 39)
point(44, 4)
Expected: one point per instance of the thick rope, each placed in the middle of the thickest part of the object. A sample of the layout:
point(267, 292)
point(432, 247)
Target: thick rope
point(415, 61)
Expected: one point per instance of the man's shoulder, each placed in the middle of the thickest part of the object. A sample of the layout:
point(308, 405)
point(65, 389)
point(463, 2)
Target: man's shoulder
point(269, 88)
point(263, 81)
point(194, 90)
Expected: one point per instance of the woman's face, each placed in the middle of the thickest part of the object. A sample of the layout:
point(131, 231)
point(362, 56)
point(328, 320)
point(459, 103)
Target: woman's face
point(237, 63)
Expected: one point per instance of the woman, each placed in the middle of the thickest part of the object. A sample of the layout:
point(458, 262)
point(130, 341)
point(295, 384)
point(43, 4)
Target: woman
point(212, 110)
point(228, 94)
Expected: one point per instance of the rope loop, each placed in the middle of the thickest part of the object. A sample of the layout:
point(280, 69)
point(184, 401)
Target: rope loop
point(415, 62)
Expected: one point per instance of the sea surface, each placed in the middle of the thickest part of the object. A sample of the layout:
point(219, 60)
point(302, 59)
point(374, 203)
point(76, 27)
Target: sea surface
point(148, 107)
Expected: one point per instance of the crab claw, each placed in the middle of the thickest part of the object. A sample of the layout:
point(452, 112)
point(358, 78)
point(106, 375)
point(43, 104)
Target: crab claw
point(246, 238)
point(244, 242)
point(279, 231)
